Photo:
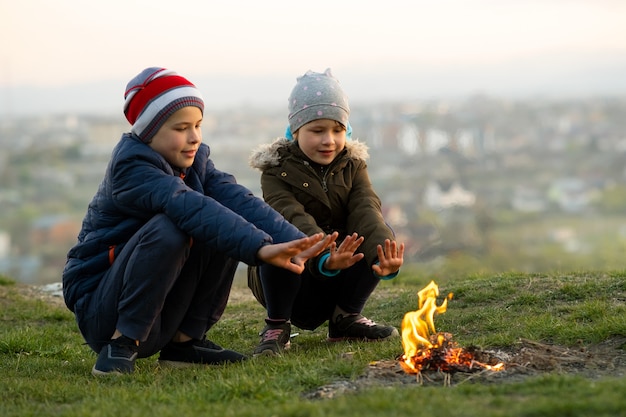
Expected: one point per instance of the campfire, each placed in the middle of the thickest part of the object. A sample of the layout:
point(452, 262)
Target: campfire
point(426, 349)
point(432, 357)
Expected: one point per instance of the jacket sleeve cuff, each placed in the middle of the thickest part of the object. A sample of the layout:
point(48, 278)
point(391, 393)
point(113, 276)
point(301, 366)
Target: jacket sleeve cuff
point(324, 271)
point(386, 277)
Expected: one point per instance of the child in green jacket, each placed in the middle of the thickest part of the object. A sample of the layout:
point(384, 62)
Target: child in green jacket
point(316, 177)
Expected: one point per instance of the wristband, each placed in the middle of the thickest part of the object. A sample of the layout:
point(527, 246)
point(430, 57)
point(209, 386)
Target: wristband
point(324, 271)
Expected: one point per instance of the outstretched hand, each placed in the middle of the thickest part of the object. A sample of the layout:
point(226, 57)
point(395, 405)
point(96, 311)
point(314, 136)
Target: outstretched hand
point(390, 258)
point(342, 256)
point(293, 255)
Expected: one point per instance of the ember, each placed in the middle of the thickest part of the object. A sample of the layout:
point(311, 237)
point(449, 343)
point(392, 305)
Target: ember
point(427, 349)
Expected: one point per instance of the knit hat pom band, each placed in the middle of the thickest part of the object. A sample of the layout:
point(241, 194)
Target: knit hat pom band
point(153, 96)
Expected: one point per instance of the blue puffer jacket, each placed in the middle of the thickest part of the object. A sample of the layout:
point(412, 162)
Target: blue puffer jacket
point(205, 203)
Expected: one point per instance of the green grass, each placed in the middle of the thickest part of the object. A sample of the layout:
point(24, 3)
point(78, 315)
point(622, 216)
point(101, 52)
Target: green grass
point(45, 367)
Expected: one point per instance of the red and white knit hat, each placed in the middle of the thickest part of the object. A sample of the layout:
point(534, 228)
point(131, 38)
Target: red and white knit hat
point(153, 96)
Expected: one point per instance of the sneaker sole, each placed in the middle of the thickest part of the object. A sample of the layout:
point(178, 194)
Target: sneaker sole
point(354, 339)
point(98, 373)
point(393, 334)
point(271, 352)
point(266, 352)
point(181, 365)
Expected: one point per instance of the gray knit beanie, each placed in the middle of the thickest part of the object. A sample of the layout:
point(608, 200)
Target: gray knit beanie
point(317, 96)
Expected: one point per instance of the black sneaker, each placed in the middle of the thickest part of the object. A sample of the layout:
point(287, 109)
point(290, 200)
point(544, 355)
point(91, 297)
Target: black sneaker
point(179, 355)
point(116, 358)
point(358, 327)
point(275, 338)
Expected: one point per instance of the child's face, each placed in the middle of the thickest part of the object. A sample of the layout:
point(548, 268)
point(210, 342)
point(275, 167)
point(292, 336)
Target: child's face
point(321, 140)
point(179, 137)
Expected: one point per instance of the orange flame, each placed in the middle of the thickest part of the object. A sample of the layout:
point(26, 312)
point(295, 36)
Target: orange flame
point(418, 326)
point(424, 347)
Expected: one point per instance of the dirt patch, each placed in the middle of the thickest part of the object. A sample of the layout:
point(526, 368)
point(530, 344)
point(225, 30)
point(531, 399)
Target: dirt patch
point(53, 293)
point(526, 359)
point(49, 293)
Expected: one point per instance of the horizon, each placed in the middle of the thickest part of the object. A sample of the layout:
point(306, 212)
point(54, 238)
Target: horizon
point(227, 92)
point(66, 58)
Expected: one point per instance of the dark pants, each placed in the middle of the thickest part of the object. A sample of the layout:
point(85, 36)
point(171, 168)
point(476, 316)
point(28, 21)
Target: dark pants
point(307, 301)
point(159, 284)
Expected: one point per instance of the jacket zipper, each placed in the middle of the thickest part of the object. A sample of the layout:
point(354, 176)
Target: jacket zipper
point(322, 177)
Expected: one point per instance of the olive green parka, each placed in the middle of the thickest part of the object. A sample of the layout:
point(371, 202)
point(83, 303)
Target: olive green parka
point(337, 197)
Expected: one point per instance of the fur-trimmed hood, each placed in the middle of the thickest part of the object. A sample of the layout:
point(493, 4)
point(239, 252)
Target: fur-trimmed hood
point(269, 154)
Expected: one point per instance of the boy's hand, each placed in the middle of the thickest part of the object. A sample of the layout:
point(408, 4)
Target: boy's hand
point(342, 256)
point(390, 258)
point(294, 254)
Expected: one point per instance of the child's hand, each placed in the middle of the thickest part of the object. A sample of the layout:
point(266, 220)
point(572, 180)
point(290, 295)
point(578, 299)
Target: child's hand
point(316, 249)
point(390, 259)
point(294, 254)
point(342, 256)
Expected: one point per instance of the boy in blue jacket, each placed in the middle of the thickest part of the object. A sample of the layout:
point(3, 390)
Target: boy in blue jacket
point(155, 259)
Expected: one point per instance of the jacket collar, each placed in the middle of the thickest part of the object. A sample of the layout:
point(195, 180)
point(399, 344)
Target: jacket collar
point(269, 155)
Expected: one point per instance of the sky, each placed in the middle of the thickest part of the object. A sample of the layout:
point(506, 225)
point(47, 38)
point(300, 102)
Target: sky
point(77, 55)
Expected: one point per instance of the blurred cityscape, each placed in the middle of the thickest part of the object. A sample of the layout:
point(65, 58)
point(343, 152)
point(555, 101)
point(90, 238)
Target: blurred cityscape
point(471, 186)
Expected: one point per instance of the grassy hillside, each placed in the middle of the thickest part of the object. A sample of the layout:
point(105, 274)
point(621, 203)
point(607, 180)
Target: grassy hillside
point(563, 334)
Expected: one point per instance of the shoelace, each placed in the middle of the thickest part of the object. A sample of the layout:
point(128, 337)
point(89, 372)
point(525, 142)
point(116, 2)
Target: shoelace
point(366, 321)
point(272, 334)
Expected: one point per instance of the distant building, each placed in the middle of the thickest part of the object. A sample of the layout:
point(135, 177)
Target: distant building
point(528, 200)
point(102, 135)
point(443, 195)
point(5, 244)
point(54, 229)
point(571, 194)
